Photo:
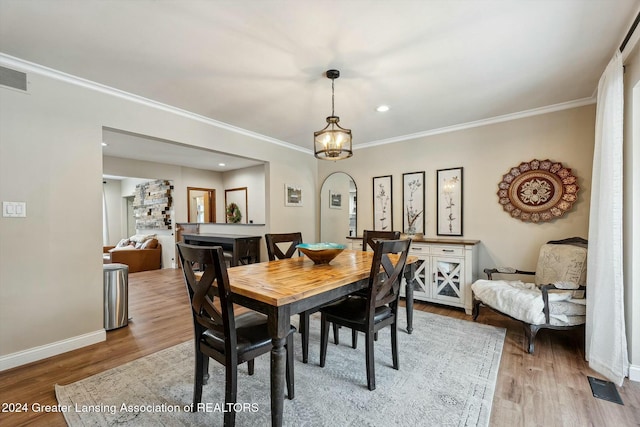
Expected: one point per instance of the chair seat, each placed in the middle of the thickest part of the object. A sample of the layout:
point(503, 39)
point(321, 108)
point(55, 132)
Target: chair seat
point(354, 309)
point(523, 301)
point(251, 330)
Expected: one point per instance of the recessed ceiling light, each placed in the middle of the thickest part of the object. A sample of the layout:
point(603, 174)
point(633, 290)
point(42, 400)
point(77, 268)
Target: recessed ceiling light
point(382, 108)
point(104, 144)
point(222, 164)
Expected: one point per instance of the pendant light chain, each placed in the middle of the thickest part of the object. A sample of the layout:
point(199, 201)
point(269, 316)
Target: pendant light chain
point(332, 97)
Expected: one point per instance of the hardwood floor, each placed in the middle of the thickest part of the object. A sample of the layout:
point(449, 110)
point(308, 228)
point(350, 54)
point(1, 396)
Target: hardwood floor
point(549, 388)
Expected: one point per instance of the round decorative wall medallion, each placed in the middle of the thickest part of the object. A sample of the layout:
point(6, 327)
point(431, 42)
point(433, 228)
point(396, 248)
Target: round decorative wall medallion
point(539, 190)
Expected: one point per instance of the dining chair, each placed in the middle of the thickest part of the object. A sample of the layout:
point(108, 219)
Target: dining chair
point(281, 246)
point(369, 238)
point(377, 310)
point(220, 334)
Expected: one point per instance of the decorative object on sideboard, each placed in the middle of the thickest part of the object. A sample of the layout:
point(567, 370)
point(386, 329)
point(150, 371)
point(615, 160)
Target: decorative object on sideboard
point(538, 190)
point(449, 202)
point(152, 205)
point(333, 142)
point(382, 203)
point(413, 203)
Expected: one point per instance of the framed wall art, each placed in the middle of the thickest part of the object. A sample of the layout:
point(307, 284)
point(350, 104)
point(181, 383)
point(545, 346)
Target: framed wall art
point(382, 203)
point(449, 202)
point(538, 190)
point(335, 200)
point(292, 195)
point(413, 203)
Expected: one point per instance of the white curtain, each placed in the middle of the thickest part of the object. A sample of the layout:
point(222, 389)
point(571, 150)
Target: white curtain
point(606, 342)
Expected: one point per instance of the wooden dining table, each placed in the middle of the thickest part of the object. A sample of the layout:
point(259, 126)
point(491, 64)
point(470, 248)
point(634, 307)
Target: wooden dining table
point(286, 287)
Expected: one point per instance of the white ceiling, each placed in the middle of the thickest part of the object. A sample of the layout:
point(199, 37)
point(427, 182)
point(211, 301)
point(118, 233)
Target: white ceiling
point(259, 65)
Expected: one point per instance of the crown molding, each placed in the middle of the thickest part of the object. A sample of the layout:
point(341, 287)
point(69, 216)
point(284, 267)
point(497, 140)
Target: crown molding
point(30, 67)
point(483, 122)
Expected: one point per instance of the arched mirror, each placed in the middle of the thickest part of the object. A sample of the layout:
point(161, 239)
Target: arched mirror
point(338, 208)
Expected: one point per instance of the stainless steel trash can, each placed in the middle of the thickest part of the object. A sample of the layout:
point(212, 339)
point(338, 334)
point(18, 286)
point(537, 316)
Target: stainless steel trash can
point(116, 295)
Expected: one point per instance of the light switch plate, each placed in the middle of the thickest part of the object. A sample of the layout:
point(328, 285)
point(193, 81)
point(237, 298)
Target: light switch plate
point(14, 209)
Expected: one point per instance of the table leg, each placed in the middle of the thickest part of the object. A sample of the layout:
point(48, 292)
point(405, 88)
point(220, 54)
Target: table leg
point(278, 329)
point(278, 369)
point(409, 298)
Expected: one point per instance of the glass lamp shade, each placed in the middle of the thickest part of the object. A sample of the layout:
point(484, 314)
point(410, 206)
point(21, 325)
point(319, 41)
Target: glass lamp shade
point(333, 142)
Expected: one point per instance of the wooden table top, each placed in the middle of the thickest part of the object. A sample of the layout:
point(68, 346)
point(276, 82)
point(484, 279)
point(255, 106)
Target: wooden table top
point(285, 281)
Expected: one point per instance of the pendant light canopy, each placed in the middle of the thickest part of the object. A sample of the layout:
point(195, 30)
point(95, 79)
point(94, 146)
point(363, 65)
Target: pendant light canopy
point(333, 142)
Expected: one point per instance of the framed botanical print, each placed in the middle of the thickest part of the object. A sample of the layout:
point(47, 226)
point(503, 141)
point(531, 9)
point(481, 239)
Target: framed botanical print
point(413, 203)
point(382, 203)
point(449, 202)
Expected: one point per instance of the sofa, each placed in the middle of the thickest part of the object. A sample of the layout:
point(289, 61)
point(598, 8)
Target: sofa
point(139, 252)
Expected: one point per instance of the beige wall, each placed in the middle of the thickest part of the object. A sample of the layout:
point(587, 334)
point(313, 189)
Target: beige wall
point(51, 158)
point(50, 272)
point(486, 153)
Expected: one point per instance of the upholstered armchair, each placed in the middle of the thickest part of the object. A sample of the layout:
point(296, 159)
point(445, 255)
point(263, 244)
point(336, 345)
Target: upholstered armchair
point(556, 299)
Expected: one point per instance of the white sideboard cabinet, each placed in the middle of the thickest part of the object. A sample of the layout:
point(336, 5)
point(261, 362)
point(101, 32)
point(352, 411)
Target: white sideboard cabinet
point(445, 270)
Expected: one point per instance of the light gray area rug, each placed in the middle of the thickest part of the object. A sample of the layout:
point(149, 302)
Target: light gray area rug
point(447, 376)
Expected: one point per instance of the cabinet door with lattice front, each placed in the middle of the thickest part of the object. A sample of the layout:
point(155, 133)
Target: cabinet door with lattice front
point(447, 284)
point(422, 280)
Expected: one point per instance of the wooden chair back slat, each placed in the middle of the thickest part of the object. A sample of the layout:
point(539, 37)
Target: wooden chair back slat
point(370, 236)
point(275, 243)
point(386, 277)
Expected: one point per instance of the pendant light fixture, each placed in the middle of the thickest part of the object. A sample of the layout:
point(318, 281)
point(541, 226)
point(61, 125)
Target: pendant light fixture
point(333, 142)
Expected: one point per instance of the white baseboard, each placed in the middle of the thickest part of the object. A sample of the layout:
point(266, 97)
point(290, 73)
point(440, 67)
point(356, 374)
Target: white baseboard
point(42, 352)
point(634, 373)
